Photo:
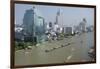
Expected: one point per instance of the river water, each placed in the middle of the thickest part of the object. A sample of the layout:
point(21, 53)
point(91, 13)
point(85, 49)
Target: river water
point(77, 51)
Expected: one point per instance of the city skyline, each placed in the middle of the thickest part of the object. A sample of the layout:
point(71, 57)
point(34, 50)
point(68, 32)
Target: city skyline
point(50, 34)
point(69, 16)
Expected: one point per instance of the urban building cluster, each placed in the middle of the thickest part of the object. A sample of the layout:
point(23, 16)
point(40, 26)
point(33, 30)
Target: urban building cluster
point(35, 29)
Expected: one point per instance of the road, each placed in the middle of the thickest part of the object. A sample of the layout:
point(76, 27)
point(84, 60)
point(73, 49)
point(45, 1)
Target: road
point(76, 51)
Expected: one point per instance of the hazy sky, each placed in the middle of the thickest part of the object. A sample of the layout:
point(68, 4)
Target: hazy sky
point(69, 16)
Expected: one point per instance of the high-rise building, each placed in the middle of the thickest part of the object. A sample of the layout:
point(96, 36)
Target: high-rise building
point(82, 25)
point(33, 25)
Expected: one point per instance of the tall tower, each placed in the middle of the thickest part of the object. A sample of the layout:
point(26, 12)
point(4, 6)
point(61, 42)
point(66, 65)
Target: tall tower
point(57, 15)
point(33, 24)
point(84, 25)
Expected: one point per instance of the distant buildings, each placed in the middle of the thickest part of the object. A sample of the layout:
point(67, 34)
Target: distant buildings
point(67, 30)
point(81, 27)
point(35, 29)
point(76, 29)
point(49, 27)
point(18, 33)
point(90, 28)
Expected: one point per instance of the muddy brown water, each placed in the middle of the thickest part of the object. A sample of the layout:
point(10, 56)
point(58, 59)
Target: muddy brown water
point(77, 51)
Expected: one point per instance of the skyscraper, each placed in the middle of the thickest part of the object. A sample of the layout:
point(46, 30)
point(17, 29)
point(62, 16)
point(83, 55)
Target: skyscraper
point(33, 25)
point(83, 25)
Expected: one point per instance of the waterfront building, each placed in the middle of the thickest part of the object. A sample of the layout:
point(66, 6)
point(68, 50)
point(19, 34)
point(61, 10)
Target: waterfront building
point(68, 30)
point(90, 28)
point(34, 25)
point(82, 25)
point(18, 33)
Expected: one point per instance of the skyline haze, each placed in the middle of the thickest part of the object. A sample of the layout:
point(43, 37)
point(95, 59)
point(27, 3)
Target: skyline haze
point(69, 16)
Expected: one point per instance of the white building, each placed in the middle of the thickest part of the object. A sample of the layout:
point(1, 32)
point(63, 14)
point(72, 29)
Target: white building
point(18, 33)
point(82, 25)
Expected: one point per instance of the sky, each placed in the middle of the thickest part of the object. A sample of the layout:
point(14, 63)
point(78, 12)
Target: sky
point(69, 16)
